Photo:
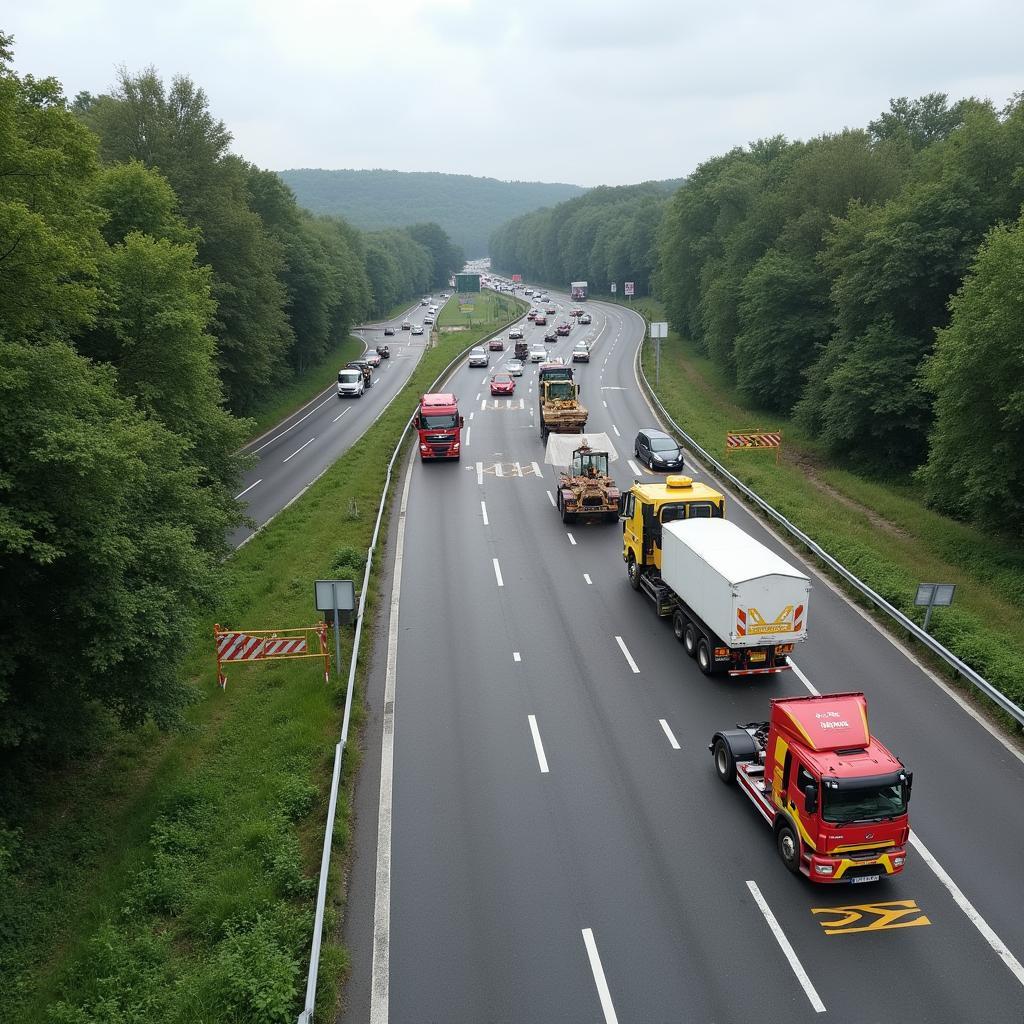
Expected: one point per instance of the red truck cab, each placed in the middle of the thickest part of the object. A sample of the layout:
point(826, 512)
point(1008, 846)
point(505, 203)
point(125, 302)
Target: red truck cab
point(835, 797)
point(440, 427)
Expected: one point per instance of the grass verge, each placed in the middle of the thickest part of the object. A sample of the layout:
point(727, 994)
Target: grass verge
point(172, 877)
point(880, 530)
point(487, 307)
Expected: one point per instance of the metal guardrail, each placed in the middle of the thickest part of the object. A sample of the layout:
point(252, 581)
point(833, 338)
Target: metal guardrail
point(306, 1016)
point(996, 696)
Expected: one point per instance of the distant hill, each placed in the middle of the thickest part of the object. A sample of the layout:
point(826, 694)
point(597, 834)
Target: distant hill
point(468, 208)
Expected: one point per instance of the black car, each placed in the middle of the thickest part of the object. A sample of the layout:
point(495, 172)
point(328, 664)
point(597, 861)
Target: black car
point(658, 450)
point(389, 332)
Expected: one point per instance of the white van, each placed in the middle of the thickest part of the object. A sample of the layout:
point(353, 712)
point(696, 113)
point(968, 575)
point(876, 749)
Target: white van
point(350, 383)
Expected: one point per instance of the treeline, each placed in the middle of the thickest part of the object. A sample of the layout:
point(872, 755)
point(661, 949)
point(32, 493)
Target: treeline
point(154, 288)
point(865, 283)
point(467, 207)
point(607, 234)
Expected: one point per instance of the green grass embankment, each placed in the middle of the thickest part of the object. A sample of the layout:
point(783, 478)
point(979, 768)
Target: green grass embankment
point(881, 530)
point(171, 878)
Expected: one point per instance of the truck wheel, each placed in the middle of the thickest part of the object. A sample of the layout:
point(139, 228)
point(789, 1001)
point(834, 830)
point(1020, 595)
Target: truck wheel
point(789, 847)
point(704, 661)
point(679, 625)
point(725, 763)
point(690, 639)
point(633, 572)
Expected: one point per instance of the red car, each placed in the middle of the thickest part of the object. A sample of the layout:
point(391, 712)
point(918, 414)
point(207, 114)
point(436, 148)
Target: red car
point(540, 320)
point(531, 315)
point(563, 329)
point(503, 384)
point(496, 345)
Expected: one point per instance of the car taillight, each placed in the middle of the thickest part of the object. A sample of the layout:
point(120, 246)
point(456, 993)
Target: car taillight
point(721, 652)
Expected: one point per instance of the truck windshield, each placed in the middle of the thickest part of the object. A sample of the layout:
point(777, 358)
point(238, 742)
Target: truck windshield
point(444, 421)
point(556, 373)
point(559, 389)
point(881, 798)
point(349, 376)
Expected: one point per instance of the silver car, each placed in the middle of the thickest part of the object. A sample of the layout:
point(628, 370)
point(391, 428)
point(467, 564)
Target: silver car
point(478, 357)
point(514, 367)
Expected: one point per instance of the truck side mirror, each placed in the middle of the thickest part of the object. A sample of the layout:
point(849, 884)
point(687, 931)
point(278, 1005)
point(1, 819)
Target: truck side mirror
point(416, 422)
point(910, 782)
point(462, 421)
point(810, 799)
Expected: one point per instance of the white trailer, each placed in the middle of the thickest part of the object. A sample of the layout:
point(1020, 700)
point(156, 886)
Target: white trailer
point(736, 606)
point(578, 291)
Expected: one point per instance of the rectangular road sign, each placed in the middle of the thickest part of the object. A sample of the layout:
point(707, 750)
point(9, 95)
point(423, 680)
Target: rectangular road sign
point(629, 288)
point(659, 329)
point(614, 287)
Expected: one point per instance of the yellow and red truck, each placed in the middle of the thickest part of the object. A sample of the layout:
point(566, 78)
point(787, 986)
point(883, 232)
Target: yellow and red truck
point(835, 797)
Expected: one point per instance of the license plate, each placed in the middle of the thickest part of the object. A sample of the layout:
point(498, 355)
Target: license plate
point(757, 656)
point(866, 878)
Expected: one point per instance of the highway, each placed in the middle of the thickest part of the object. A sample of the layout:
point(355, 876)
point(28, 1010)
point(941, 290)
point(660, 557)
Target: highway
point(291, 455)
point(553, 843)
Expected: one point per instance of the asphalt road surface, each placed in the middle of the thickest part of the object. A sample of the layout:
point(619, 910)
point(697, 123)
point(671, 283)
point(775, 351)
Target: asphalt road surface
point(302, 446)
point(555, 844)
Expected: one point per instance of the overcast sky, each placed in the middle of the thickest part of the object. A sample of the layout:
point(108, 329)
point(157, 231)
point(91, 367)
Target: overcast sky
point(541, 90)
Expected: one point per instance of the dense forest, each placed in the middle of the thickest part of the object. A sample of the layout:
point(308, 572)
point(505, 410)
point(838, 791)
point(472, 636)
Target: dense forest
point(867, 282)
point(609, 234)
point(153, 287)
point(468, 208)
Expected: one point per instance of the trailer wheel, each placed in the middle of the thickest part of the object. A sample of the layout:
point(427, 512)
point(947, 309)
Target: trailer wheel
point(633, 572)
point(567, 516)
point(704, 661)
point(679, 625)
point(725, 763)
point(690, 639)
point(789, 847)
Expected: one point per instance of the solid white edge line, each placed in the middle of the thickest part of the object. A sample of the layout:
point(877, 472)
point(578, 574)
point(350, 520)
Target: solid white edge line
point(497, 573)
point(803, 679)
point(669, 734)
point(538, 746)
point(483, 511)
point(551, 498)
point(787, 949)
point(248, 489)
point(997, 944)
point(380, 974)
point(599, 979)
point(297, 450)
point(625, 651)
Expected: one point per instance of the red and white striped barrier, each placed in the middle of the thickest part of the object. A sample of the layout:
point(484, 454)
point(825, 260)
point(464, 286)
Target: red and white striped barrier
point(269, 645)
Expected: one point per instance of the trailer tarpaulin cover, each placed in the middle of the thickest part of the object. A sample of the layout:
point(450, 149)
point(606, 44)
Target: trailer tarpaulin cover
point(561, 446)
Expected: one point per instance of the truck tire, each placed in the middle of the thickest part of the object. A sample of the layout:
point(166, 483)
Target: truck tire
point(690, 639)
point(679, 624)
point(725, 763)
point(704, 662)
point(789, 847)
point(633, 572)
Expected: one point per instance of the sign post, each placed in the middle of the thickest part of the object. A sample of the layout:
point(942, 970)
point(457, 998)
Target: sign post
point(934, 595)
point(659, 330)
point(332, 598)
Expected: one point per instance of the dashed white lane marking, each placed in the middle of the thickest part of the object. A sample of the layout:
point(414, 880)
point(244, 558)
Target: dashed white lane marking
point(668, 733)
point(625, 651)
point(297, 450)
point(538, 746)
point(572, 539)
point(536, 469)
point(633, 466)
point(483, 510)
point(483, 404)
point(803, 679)
point(471, 415)
point(616, 429)
point(376, 380)
point(344, 412)
point(480, 473)
point(469, 431)
point(590, 582)
point(780, 937)
point(248, 489)
point(478, 399)
point(599, 979)
point(522, 405)
point(604, 403)
point(551, 498)
point(508, 403)
point(497, 573)
point(291, 426)
point(515, 656)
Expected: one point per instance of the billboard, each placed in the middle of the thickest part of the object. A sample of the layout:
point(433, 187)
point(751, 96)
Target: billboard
point(517, 278)
point(467, 282)
point(629, 289)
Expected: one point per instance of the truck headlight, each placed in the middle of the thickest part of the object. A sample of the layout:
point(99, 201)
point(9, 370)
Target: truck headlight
point(823, 869)
point(898, 862)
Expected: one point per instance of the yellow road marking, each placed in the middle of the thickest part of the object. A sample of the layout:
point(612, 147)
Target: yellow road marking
point(879, 917)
